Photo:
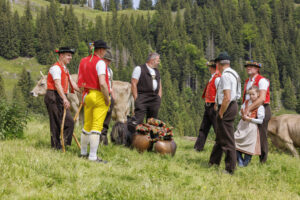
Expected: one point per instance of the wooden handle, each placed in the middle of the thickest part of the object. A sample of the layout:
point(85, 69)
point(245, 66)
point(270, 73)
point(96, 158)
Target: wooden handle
point(62, 132)
point(78, 111)
point(76, 116)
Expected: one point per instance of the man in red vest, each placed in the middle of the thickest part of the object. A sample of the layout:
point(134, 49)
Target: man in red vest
point(58, 81)
point(209, 117)
point(93, 79)
point(264, 99)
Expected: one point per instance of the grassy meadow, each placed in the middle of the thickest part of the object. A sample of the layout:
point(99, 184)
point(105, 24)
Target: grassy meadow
point(30, 169)
point(90, 14)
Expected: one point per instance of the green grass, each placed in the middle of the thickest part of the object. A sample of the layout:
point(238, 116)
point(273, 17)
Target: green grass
point(11, 69)
point(90, 14)
point(30, 169)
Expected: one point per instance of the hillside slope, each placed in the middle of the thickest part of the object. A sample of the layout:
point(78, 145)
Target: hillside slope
point(29, 169)
point(11, 69)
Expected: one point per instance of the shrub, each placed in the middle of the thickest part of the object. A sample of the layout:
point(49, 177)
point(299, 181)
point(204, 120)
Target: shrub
point(13, 120)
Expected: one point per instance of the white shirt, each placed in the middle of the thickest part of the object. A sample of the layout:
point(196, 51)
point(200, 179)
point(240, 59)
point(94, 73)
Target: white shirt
point(229, 82)
point(137, 73)
point(263, 84)
point(56, 72)
point(101, 67)
point(260, 113)
point(110, 76)
point(101, 70)
point(217, 80)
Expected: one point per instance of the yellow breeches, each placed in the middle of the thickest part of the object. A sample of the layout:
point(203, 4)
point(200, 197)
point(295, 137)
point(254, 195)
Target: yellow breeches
point(95, 111)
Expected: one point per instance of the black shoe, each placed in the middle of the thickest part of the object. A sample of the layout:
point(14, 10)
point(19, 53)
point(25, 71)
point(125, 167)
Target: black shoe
point(99, 160)
point(84, 156)
point(227, 172)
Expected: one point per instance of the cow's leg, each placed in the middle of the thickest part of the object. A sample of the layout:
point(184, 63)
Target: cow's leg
point(293, 150)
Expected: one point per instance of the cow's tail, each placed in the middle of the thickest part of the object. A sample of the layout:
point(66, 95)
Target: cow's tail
point(131, 104)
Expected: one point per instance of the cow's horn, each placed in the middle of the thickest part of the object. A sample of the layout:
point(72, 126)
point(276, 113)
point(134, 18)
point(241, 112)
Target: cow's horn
point(42, 74)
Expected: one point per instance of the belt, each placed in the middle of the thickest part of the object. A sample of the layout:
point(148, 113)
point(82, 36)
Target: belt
point(208, 104)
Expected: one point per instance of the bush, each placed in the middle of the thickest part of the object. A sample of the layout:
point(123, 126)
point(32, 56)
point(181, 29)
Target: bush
point(13, 120)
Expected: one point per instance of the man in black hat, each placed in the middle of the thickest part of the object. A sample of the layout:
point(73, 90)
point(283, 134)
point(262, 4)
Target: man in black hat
point(228, 92)
point(264, 99)
point(209, 117)
point(58, 82)
point(146, 90)
point(108, 59)
point(93, 79)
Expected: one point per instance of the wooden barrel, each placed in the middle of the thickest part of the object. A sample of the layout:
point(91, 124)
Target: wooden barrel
point(141, 142)
point(165, 147)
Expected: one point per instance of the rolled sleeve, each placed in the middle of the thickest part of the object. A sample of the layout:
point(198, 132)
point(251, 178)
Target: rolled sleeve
point(226, 82)
point(136, 73)
point(263, 84)
point(55, 72)
point(101, 67)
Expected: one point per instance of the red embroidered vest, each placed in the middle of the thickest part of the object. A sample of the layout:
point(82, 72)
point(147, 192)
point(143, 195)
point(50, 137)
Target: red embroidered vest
point(87, 74)
point(64, 79)
point(209, 93)
point(256, 81)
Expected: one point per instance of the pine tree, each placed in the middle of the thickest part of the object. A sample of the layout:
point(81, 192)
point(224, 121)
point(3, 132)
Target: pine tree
point(98, 5)
point(289, 97)
point(43, 48)
point(9, 40)
point(112, 5)
point(145, 4)
point(25, 84)
point(127, 4)
point(100, 28)
point(106, 5)
point(27, 33)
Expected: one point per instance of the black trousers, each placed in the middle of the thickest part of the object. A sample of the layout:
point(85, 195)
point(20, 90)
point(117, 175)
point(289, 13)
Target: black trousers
point(54, 104)
point(145, 105)
point(108, 118)
point(209, 119)
point(263, 134)
point(225, 139)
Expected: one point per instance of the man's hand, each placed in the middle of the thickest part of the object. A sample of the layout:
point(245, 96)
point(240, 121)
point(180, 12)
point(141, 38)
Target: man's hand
point(112, 95)
point(107, 100)
point(248, 119)
point(221, 114)
point(216, 107)
point(66, 103)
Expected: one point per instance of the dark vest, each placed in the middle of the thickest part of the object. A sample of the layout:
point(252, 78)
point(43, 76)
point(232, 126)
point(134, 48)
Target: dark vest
point(145, 84)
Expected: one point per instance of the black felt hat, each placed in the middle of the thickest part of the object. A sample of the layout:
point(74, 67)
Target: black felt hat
point(253, 63)
point(100, 44)
point(65, 50)
point(222, 56)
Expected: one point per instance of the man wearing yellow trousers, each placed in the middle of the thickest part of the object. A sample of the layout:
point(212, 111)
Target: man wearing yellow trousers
point(93, 79)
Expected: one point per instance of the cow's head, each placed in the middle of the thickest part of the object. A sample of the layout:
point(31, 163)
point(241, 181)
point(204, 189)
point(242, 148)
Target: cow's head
point(41, 87)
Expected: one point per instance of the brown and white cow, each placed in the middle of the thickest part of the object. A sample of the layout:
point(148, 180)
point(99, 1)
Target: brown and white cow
point(284, 131)
point(122, 93)
point(74, 98)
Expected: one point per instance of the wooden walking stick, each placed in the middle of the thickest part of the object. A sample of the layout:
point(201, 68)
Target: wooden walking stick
point(76, 116)
point(62, 142)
